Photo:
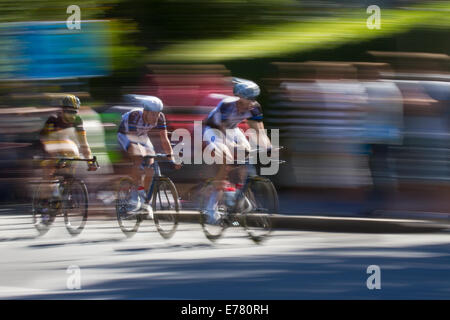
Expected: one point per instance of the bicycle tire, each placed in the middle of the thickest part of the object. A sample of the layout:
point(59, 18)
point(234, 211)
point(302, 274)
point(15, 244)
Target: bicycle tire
point(212, 232)
point(263, 199)
point(41, 227)
point(123, 189)
point(164, 193)
point(69, 202)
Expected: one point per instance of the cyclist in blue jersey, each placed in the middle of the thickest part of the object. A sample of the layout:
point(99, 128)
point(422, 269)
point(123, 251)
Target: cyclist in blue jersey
point(225, 118)
point(133, 138)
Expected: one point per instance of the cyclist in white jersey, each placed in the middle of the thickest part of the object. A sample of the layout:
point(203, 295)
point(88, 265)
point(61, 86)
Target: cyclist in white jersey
point(228, 114)
point(133, 138)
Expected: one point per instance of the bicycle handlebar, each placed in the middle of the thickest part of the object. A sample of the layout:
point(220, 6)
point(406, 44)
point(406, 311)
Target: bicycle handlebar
point(237, 162)
point(266, 150)
point(94, 159)
point(158, 155)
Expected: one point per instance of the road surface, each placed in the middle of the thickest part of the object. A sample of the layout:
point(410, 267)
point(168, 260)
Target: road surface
point(290, 265)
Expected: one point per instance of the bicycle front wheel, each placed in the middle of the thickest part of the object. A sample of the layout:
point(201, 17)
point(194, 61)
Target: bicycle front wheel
point(75, 206)
point(212, 231)
point(260, 201)
point(165, 207)
point(128, 222)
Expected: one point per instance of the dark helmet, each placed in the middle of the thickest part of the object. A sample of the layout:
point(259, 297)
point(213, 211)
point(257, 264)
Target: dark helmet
point(71, 101)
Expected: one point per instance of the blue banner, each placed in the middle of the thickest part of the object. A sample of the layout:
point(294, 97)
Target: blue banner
point(49, 50)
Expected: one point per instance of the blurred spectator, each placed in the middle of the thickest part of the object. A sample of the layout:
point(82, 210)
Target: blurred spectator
point(319, 109)
point(383, 127)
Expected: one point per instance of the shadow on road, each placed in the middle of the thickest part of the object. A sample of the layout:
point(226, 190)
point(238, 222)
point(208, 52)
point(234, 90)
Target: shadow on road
point(420, 272)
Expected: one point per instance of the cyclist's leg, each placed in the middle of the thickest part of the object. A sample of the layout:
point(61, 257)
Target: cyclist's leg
point(222, 152)
point(55, 149)
point(130, 145)
point(142, 146)
point(242, 145)
point(134, 154)
point(148, 150)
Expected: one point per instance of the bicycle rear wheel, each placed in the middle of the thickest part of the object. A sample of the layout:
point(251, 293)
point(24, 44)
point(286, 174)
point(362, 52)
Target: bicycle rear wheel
point(259, 203)
point(128, 222)
point(44, 213)
point(212, 231)
point(165, 207)
point(75, 206)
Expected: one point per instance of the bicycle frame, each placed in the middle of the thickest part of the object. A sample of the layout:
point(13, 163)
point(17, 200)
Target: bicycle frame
point(156, 173)
point(251, 173)
point(64, 170)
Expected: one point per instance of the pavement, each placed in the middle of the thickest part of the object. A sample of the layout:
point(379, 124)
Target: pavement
point(380, 222)
point(102, 263)
point(325, 211)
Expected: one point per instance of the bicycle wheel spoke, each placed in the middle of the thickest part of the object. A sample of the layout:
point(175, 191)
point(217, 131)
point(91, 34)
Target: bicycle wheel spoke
point(75, 205)
point(43, 213)
point(212, 230)
point(128, 222)
point(165, 208)
point(260, 203)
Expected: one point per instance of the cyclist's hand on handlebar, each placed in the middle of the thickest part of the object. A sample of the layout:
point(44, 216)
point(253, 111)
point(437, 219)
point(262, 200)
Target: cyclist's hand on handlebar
point(86, 151)
point(93, 165)
point(176, 166)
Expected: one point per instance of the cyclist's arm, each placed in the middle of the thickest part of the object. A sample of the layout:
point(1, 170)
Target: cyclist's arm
point(84, 145)
point(214, 119)
point(82, 139)
point(49, 127)
point(263, 139)
point(256, 122)
point(165, 142)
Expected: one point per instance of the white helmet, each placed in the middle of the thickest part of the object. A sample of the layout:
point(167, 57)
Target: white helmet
point(245, 88)
point(149, 103)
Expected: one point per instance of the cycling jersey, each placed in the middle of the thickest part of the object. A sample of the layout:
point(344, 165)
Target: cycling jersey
point(59, 136)
point(227, 116)
point(56, 123)
point(133, 123)
point(133, 129)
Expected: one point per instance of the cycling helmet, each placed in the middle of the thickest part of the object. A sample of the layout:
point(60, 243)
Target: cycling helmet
point(245, 89)
point(71, 102)
point(149, 103)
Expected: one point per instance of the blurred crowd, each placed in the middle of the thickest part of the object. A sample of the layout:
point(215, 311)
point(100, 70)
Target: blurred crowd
point(344, 125)
point(371, 125)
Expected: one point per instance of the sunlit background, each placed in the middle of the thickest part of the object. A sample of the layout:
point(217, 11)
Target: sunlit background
point(363, 119)
point(360, 111)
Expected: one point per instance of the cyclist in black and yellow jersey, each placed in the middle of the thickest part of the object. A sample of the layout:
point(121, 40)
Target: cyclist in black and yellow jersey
point(63, 135)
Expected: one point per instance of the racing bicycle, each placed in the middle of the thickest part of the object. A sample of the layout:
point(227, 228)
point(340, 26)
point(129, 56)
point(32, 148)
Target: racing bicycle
point(251, 206)
point(70, 197)
point(163, 197)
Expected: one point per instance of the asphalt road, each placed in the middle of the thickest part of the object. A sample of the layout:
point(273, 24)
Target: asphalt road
point(290, 265)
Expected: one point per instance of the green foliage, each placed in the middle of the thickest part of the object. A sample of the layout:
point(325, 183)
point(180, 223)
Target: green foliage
point(282, 38)
point(122, 49)
point(51, 10)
